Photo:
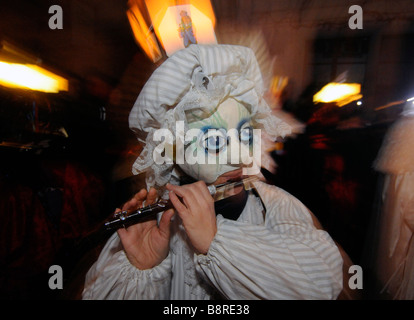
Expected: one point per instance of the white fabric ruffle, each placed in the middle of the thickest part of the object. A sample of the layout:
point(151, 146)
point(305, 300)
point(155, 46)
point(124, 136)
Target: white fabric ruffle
point(192, 84)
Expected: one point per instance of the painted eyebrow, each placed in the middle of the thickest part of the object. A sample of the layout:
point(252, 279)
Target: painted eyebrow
point(242, 122)
point(208, 127)
point(239, 125)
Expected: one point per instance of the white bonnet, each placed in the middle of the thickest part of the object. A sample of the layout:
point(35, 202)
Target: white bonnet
point(198, 78)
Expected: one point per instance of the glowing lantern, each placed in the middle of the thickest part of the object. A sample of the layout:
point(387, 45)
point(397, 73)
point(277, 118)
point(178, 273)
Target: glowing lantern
point(340, 93)
point(20, 69)
point(176, 24)
point(31, 77)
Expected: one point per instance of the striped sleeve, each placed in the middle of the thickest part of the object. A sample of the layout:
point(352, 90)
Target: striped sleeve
point(113, 277)
point(284, 258)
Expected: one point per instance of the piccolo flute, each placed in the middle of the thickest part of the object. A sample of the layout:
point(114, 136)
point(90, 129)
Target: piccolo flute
point(127, 218)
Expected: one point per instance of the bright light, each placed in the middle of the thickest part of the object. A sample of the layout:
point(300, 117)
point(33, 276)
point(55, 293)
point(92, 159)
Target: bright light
point(390, 104)
point(174, 23)
point(142, 33)
point(359, 103)
point(168, 28)
point(31, 77)
point(340, 93)
point(410, 99)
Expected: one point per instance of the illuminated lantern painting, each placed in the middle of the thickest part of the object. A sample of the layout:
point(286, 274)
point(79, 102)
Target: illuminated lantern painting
point(183, 25)
point(177, 24)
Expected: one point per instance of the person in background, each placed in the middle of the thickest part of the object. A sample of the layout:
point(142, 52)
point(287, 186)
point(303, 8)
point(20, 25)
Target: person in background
point(394, 254)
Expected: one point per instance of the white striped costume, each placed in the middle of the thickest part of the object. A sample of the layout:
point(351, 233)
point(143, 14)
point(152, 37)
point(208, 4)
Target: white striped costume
point(281, 256)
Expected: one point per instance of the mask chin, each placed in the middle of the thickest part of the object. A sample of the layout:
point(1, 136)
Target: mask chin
point(205, 172)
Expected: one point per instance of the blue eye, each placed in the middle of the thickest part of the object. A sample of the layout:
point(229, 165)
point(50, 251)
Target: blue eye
point(246, 135)
point(214, 141)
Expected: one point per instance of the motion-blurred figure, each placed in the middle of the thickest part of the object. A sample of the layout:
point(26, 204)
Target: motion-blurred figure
point(395, 251)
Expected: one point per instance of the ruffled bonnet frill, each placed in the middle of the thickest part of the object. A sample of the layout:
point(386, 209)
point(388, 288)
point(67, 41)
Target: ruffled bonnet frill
point(192, 83)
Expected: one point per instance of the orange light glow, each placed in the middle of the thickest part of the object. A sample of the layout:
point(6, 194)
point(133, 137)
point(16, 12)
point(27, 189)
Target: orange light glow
point(166, 17)
point(27, 76)
point(142, 33)
point(340, 93)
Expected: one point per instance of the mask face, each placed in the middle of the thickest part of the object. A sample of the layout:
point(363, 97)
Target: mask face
point(218, 142)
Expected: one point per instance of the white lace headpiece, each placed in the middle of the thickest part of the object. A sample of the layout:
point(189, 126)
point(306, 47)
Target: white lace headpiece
point(198, 79)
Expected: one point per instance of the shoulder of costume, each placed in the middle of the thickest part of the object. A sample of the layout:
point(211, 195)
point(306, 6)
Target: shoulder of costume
point(271, 193)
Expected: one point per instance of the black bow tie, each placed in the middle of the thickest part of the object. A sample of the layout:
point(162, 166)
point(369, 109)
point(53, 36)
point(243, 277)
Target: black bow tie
point(232, 207)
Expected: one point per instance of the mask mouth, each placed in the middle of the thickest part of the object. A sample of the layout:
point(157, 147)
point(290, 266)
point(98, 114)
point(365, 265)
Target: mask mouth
point(230, 182)
point(230, 176)
point(237, 179)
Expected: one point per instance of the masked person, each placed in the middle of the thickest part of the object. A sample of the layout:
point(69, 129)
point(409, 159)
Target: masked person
point(258, 244)
point(393, 241)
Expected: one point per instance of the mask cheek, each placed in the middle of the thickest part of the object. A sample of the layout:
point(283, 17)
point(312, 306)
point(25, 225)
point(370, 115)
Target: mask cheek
point(202, 165)
point(205, 172)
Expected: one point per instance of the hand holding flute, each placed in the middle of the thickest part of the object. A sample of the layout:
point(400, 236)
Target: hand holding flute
point(147, 243)
point(196, 209)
